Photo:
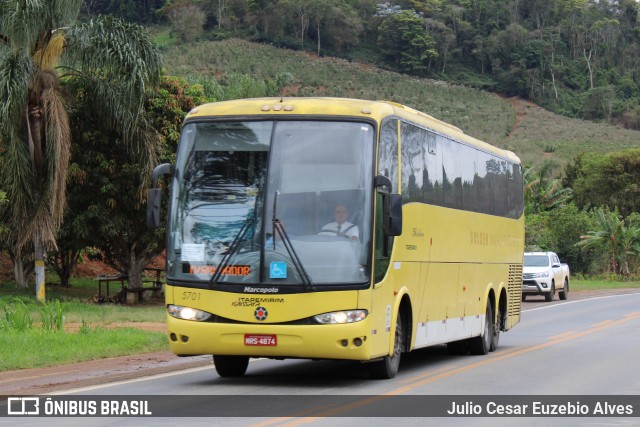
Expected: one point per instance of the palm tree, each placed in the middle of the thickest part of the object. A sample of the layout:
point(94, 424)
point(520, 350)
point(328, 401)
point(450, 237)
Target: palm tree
point(629, 247)
point(43, 50)
point(607, 236)
point(542, 193)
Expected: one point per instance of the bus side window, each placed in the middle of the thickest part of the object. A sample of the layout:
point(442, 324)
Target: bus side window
point(382, 244)
point(387, 166)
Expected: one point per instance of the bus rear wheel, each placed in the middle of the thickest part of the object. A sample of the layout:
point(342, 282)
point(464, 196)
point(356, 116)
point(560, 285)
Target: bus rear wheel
point(231, 366)
point(500, 321)
point(482, 344)
point(387, 368)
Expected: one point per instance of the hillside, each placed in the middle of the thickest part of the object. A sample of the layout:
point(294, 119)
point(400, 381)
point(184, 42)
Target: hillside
point(532, 132)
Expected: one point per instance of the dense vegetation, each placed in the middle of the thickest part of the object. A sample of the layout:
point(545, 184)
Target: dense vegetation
point(576, 57)
point(581, 177)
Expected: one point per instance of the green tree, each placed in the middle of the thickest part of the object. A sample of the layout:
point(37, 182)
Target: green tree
point(3, 201)
point(116, 60)
point(402, 36)
point(300, 11)
point(537, 233)
point(607, 236)
point(187, 19)
point(607, 180)
point(337, 19)
point(103, 211)
point(542, 192)
point(565, 226)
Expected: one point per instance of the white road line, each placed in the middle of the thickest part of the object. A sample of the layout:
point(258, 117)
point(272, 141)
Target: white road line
point(135, 380)
point(581, 300)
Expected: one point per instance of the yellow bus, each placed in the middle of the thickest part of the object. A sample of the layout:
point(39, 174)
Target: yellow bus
point(330, 228)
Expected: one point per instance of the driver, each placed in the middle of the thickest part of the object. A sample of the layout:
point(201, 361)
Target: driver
point(340, 227)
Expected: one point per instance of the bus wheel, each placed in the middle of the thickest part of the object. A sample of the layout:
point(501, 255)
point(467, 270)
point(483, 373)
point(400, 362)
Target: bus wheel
point(495, 337)
point(482, 344)
point(231, 366)
point(388, 367)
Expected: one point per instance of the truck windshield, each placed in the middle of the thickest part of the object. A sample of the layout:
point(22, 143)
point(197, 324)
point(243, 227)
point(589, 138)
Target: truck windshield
point(536, 261)
point(267, 185)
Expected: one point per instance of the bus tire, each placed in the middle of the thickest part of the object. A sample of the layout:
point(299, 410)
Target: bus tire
point(387, 368)
point(481, 345)
point(495, 337)
point(231, 366)
point(457, 347)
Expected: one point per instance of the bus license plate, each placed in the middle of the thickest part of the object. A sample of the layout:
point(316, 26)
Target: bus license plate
point(261, 340)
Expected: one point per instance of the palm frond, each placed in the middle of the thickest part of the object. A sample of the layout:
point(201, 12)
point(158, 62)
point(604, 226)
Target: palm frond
point(24, 23)
point(111, 103)
point(148, 158)
point(17, 180)
point(16, 72)
point(117, 51)
point(47, 57)
point(59, 150)
point(40, 226)
point(63, 12)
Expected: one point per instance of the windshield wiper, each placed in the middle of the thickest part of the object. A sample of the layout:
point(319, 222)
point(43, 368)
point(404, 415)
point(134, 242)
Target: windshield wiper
point(278, 227)
point(230, 252)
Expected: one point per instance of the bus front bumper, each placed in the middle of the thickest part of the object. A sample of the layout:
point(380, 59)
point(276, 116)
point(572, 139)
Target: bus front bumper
point(350, 341)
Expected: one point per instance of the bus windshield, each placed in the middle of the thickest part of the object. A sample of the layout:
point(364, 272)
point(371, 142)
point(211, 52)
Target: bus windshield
point(272, 203)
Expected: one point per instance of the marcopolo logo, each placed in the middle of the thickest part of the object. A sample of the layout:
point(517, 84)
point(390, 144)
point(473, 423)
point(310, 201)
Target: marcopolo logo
point(254, 290)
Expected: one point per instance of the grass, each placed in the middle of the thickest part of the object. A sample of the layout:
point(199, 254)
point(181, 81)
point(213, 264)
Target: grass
point(32, 334)
point(37, 348)
point(79, 309)
point(598, 285)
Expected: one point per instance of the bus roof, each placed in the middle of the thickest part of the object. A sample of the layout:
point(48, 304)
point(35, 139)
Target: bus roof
point(339, 107)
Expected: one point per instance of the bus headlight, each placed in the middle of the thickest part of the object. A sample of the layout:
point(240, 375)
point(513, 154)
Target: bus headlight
point(188, 313)
point(338, 317)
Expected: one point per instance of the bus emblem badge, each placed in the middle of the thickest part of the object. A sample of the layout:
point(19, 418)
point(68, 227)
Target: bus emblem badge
point(261, 313)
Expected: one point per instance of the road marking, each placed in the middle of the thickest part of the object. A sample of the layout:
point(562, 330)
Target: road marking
point(136, 380)
point(581, 300)
point(562, 335)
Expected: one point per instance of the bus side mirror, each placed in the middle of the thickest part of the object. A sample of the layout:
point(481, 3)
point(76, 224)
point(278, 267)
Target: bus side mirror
point(154, 195)
point(393, 215)
point(154, 202)
point(392, 211)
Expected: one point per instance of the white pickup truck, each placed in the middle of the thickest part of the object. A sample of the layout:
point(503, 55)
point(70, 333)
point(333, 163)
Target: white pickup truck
point(543, 274)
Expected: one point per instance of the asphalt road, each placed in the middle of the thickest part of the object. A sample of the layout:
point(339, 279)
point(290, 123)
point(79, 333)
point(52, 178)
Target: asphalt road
point(559, 353)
